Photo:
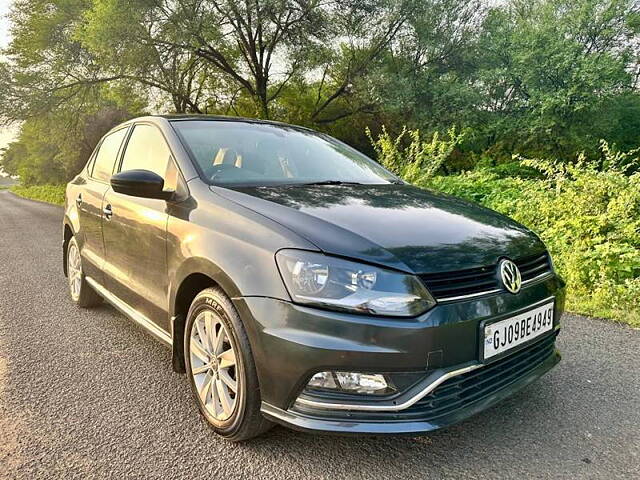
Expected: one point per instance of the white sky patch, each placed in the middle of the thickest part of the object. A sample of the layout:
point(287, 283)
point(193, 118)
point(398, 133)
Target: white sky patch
point(7, 134)
point(5, 5)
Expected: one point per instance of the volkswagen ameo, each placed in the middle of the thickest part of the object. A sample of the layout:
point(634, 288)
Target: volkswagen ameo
point(297, 281)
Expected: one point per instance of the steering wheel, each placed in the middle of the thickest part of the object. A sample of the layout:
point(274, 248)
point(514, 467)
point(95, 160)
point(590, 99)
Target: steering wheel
point(215, 170)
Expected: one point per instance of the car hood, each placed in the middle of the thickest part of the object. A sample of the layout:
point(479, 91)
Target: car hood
point(399, 226)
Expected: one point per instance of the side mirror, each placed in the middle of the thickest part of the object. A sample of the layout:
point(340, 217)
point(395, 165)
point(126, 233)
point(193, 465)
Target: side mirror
point(140, 183)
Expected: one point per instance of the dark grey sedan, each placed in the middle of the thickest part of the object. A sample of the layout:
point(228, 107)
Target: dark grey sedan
point(297, 281)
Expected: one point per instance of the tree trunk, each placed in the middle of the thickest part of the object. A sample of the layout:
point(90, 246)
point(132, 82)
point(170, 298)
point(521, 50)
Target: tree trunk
point(262, 99)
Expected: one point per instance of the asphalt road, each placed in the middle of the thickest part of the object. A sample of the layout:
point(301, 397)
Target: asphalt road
point(86, 393)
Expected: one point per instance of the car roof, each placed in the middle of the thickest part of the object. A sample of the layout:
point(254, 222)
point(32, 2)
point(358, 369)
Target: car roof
point(219, 118)
point(203, 117)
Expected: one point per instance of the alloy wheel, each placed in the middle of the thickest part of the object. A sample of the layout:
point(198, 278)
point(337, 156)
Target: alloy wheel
point(213, 365)
point(74, 270)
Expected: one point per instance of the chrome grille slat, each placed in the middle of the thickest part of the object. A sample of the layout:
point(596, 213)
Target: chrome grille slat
point(462, 286)
point(532, 272)
point(526, 262)
point(461, 275)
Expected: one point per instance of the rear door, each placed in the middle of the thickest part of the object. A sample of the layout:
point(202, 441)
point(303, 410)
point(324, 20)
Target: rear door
point(89, 201)
point(135, 235)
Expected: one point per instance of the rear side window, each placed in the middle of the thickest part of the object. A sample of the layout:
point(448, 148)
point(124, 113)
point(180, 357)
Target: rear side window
point(146, 150)
point(107, 155)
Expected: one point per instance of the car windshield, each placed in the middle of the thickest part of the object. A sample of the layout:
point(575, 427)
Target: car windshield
point(242, 153)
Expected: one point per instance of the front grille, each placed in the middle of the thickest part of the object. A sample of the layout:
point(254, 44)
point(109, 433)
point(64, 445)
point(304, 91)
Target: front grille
point(448, 285)
point(483, 280)
point(531, 267)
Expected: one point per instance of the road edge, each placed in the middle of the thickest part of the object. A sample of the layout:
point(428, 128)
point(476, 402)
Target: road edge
point(43, 202)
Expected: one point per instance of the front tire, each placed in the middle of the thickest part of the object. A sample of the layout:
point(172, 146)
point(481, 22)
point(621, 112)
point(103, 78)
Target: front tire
point(221, 369)
point(81, 292)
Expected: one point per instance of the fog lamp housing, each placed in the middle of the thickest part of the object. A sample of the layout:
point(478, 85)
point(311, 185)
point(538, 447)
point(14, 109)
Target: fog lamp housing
point(352, 382)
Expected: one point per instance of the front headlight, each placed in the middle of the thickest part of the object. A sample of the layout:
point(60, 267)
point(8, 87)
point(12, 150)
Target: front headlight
point(330, 282)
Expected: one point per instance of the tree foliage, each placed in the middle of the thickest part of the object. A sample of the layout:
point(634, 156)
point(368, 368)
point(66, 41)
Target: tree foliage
point(555, 73)
point(541, 78)
point(53, 148)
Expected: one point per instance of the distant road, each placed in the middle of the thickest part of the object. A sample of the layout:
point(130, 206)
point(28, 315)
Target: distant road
point(86, 394)
point(7, 181)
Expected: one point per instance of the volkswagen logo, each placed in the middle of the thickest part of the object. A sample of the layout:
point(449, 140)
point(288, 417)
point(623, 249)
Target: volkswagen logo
point(510, 276)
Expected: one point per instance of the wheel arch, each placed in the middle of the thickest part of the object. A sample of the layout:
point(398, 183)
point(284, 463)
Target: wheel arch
point(195, 275)
point(67, 233)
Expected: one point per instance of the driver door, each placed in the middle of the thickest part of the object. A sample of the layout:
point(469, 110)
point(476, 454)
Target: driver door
point(135, 230)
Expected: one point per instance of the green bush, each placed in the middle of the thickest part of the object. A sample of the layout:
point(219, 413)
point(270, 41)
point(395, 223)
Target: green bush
point(45, 193)
point(412, 156)
point(588, 215)
point(515, 169)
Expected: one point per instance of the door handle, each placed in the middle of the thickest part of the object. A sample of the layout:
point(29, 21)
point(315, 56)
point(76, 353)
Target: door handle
point(79, 200)
point(107, 212)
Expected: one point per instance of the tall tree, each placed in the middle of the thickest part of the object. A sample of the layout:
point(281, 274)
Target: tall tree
point(253, 48)
point(133, 41)
point(551, 71)
point(55, 58)
point(427, 75)
point(54, 147)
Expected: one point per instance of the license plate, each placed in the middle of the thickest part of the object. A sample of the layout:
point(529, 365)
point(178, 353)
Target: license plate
point(511, 332)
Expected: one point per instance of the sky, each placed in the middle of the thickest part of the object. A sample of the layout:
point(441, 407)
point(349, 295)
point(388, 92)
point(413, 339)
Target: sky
point(4, 23)
point(6, 134)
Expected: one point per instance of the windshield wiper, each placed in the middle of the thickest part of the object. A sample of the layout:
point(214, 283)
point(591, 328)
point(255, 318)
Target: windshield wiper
point(329, 182)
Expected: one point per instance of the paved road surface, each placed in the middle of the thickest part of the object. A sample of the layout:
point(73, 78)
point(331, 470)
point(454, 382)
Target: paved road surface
point(87, 393)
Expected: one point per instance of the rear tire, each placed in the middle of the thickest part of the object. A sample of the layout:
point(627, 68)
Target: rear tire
point(220, 368)
point(82, 294)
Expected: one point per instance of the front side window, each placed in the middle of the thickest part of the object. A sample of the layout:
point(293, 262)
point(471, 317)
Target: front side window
point(241, 153)
point(90, 163)
point(107, 155)
point(146, 150)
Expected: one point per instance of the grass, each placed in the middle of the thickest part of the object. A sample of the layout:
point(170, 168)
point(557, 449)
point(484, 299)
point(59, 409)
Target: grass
point(45, 193)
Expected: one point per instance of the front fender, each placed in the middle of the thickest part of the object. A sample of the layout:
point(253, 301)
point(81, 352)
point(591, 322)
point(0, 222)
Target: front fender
point(227, 242)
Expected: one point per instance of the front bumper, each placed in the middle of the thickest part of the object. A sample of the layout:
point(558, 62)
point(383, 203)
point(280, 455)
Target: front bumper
point(291, 343)
point(403, 424)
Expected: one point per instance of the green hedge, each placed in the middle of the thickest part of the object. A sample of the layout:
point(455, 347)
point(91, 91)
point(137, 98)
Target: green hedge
point(45, 193)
